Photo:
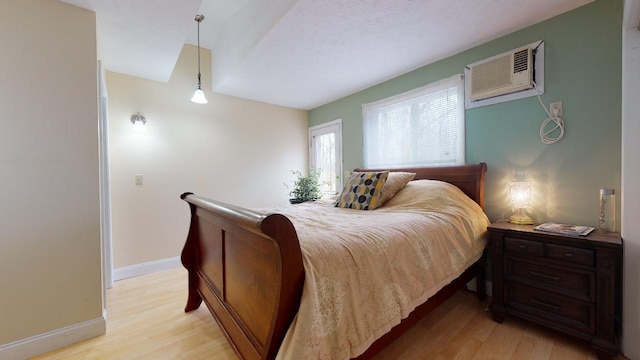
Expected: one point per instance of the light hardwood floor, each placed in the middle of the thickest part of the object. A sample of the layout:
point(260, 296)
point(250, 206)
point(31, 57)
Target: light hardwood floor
point(146, 321)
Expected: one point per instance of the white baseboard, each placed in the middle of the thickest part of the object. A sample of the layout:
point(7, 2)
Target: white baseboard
point(146, 268)
point(52, 340)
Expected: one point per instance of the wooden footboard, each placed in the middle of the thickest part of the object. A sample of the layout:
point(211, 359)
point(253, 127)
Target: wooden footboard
point(247, 268)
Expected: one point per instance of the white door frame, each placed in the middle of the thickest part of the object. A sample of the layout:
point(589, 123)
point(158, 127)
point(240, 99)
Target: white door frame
point(334, 126)
point(105, 188)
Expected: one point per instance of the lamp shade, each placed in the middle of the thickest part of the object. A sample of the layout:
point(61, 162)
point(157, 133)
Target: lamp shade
point(139, 122)
point(520, 191)
point(198, 97)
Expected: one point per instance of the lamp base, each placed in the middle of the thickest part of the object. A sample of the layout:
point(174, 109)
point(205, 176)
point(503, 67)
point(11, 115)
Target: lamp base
point(520, 218)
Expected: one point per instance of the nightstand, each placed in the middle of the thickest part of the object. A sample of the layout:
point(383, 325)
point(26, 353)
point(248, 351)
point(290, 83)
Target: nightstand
point(568, 283)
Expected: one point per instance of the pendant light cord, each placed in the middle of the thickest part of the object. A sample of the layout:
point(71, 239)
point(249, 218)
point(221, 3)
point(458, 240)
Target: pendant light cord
point(199, 19)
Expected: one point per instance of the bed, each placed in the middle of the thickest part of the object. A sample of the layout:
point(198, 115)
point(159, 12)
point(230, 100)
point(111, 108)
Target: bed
point(248, 267)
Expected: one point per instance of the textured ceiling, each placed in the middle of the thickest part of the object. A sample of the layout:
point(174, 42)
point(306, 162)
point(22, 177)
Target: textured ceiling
point(303, 53)
point(142, 37)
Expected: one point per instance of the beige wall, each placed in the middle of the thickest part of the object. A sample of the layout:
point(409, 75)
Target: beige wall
point(233, 150)
point(49, 205)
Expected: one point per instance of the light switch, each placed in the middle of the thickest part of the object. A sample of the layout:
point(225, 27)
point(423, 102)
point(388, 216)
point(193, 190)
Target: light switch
point(139, 179)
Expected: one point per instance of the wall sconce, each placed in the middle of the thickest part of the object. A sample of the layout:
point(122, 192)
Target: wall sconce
point(520, 193)
point(138, 121)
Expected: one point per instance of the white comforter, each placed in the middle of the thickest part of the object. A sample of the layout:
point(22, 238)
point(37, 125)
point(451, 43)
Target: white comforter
point(366, 271)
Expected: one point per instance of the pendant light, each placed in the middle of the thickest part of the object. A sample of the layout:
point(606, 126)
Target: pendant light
point(198, 96)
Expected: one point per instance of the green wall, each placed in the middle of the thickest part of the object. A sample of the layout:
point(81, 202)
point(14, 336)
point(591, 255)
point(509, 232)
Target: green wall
point(583, 56)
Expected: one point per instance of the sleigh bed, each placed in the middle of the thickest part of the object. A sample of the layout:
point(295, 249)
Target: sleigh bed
point(249, 266)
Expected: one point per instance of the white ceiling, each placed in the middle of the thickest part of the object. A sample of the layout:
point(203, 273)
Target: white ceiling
point(303, 53)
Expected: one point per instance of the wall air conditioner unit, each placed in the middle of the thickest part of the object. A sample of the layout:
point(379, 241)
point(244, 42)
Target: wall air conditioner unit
point(502, 74)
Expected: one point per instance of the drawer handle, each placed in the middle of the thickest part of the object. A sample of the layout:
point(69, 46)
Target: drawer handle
point(542, 303)
point(522, 246)
point(544, 276)
point(568, 255)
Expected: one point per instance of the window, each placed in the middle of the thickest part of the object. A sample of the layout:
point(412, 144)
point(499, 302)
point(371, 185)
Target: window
point(325, 154)
point(421, 127)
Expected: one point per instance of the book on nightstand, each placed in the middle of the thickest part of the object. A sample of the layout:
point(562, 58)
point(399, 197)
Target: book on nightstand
point(566, 229)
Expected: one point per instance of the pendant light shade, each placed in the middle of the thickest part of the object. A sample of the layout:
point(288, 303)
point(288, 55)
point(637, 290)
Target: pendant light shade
point(198, 96)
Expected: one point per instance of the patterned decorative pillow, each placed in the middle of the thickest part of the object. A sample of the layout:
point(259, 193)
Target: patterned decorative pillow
point(395, 182)
point(362, 190)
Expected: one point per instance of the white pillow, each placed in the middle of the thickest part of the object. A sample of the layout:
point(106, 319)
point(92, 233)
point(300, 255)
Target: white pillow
point(395, 182)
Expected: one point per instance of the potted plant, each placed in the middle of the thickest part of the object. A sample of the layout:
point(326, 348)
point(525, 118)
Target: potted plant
point(305, 188)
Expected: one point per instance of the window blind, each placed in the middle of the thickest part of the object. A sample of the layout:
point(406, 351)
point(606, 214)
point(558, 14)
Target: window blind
point(421, 127)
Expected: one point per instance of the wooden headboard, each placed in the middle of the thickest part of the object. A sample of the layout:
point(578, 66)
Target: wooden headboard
point(469, 178)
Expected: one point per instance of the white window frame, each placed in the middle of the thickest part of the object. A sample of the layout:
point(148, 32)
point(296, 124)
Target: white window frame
point(334, 126)
point(370, 111)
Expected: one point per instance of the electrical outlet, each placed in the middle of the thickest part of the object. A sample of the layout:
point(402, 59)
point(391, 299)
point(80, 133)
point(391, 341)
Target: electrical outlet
point(139, 179)
point(556, 106)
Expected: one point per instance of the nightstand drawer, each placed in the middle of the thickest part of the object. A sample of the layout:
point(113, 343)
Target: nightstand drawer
point(523, 247)
point(571, 254)
point(557, 309)
point(574, 283)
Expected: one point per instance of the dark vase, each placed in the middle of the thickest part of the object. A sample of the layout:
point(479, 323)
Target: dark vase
point(295, 201)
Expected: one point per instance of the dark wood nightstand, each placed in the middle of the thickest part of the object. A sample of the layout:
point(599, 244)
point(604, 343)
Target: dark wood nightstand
point(569, 283)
